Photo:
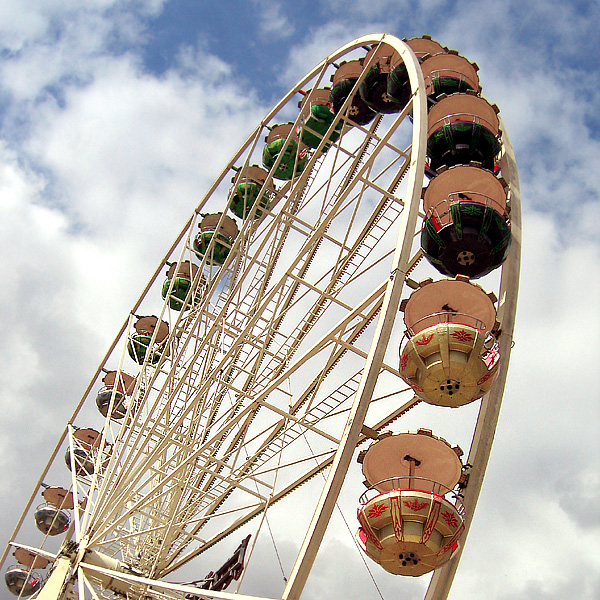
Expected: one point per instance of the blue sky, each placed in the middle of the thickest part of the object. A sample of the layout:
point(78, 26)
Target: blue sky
point(114, 111)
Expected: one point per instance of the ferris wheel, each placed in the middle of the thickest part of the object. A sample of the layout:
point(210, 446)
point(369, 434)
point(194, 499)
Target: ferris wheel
point(307, 304)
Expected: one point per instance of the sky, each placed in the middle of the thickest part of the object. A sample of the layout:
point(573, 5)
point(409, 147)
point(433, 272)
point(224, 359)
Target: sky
point(116, 116)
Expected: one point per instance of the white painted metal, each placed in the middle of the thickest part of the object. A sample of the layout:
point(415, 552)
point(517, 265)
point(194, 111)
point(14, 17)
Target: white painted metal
point(487, 420)
point(265, 383)
point(381, 338)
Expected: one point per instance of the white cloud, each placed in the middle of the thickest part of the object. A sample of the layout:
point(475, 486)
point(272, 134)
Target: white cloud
point(273, 23)
point(101, 164)
point(535, 514)
point(66, 54)
point(37, 331)
point(26, 23)
point(120, 138)
point(103, 161)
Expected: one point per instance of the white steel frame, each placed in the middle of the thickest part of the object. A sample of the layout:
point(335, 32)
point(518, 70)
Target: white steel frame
point(181, 451)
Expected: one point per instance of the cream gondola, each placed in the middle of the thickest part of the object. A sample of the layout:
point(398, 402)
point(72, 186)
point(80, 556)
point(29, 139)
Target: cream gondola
point(451, 356)
point(408, 525)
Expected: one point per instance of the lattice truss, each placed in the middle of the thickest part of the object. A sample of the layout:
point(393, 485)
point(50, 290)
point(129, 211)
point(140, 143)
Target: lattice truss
point(251, 394)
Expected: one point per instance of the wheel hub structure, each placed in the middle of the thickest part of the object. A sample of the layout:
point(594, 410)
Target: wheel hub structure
point(259, 378)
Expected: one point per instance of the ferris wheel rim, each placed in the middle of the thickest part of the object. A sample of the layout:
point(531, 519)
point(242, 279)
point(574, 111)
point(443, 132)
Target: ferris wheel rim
point(487, 419)
point(401, 262)
point(341, 52)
